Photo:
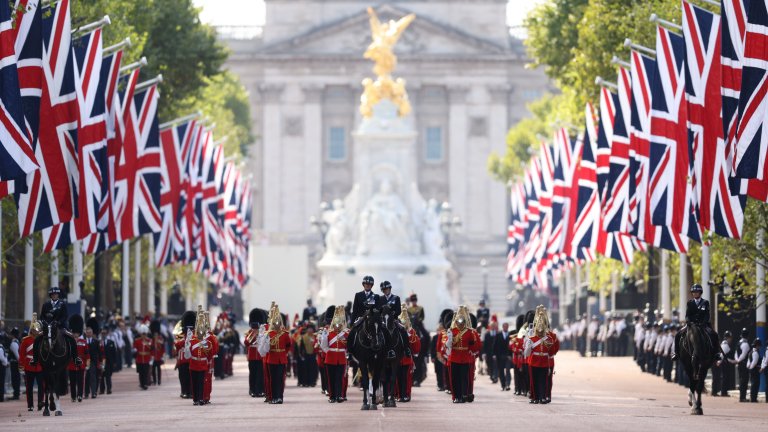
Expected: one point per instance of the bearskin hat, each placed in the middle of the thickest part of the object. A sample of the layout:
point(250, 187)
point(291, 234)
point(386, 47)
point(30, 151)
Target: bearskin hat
point(93, 323)
point(154, 326)
point(447, 318)
point(520, 322)
point(76, 323)
point(529, 316)
point(473, 320)
point(327, 317)
point(257, 316)
point(188, 319)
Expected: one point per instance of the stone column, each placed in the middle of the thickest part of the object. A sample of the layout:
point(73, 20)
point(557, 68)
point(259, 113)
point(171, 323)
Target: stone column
point(272, 145)
point(55, 268)
point(163, 291)
point(29, 279)
point(682, 290)
point(77, 273)
point(457, 150)
point(666, 303)
point(137, 277)
point(124, 282)
point(497, 135)
point(313, 151)
point(151, 276)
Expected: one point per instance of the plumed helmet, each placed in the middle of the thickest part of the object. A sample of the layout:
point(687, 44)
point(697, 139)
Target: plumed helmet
point(76, 323)
point(519, 322)
point(385, 285)
point(368, 280)
point(154, 326)
point(188, 319)
point(54, 290)
point(93, 323)
point(696, 288)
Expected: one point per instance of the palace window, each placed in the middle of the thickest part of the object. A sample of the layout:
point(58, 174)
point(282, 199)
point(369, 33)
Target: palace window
point(434, 144)
point(337, 144)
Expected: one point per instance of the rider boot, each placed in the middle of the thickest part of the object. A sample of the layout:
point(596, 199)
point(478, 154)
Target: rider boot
point(676, 350)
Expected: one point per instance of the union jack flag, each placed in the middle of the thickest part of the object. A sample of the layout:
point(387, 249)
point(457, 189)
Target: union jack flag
point(584, 218)
point(52, 193)
point(608, 103)
point(17, 157)
point(733, 33)
point(211, 193)
point(562, 181)
point(190, 218)
point(92, 139)
point(175, 142)
point(670, 193)
point(718, 209)
point(515, 231)
point(137, 174)
point(644, 76)
point(751, 142)
point(616, 194)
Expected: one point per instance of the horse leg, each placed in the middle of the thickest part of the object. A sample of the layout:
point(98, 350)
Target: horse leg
point(57, 405)
point(46, 412)
point(375, 381)
point(364, 383)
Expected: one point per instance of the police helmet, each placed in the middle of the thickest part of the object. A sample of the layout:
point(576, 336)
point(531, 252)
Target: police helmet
point(727, 334)
point(368, 280)
point(744, 332)
point(385, 285)
point(54, 290)
point(697, 288)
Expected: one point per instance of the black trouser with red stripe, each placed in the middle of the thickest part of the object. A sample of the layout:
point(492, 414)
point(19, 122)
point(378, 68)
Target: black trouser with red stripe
point(197, 385)
point(335, 376)
point(538, 382)
point(184, 379)
point(143, 370)
point(256, 376)
point(459, 380)
point(29, 382)
point(76, 381)
point(277, 380)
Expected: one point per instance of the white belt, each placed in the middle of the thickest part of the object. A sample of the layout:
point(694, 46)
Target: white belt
point(199, 358)
point(540, 354)
point(337, 350)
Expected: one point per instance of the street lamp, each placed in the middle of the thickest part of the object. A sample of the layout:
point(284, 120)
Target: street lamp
point(319, 223)
point(448, 223)
point(484, 267)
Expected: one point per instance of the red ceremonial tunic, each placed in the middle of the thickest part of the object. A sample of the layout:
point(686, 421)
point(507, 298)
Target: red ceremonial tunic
point(440, 346)
point(143, 347)
point(539, 356)
point(26, 353)
point(251, 346)
point(414, 344)
point(181, 359)
point(201, 355)
point(319, 354)
point(462, 341)
point(337, 348)
point(554, 348)
point(159, 352)
point(279, 345)
point(82, 353)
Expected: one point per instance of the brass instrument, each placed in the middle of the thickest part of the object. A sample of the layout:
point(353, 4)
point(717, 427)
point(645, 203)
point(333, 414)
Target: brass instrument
point(405, 318)
point(178, 331)
point(35, 324)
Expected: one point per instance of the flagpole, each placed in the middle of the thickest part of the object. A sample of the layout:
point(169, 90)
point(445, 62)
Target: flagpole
point(599, 81)
point(137, 277)
point(655, 19)
point(163, 291)
point(149, 83)
point(130, 67)
point(2, 315)
point(561, 299)
point(180, 120)
point(92, 26)
point(618, 61)
point(760, 313)
point(77, 272)
point(125, 43)
point(629, 44)
point(683, 286)
point(54, 268)
point(614, 289)
point(666, 303)
point(151, 276)
point(124, 280)
point(28, 277)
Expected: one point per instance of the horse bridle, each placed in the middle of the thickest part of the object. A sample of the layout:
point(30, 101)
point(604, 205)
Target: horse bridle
point(51, 340)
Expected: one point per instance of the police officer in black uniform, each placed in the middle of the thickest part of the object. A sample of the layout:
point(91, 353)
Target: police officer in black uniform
point(364, 301)
point(310, 312)
point(483, 316)
point(697, 312)
point(55, 312)
point(391, 308)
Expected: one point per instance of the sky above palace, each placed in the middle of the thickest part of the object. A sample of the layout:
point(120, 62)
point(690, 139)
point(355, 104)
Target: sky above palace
point(251, 13)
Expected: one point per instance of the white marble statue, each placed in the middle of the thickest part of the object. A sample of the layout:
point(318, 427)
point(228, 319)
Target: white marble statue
point(384, 225)
point(431, 235)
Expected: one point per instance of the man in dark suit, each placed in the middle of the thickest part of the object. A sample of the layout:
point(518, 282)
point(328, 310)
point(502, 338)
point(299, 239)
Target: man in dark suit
point(310, 312)
point(110, 358)
point(489, 349)
point(501, 351)
point(96, 356)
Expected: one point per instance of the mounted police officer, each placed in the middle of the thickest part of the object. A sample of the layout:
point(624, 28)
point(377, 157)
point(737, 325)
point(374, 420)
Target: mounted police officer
point(54, 312)
point(697, 312)
point(391, 309)
point(365, 300)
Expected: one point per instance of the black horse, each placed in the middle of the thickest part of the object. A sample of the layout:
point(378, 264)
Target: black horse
point(369, 349)
point(697, 352)
point(390, 366)
point(53, 353)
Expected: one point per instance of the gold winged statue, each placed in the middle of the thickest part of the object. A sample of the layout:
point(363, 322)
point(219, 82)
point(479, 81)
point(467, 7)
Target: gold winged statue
point(384, 36)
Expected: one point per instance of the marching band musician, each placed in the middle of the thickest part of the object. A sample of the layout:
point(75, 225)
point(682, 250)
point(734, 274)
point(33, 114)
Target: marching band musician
point(198, 349)
point(257, 317)
point(537, 351)
point(333, 343)
point(76, 372)
point(275, 347)
point(143, 352)
point(158, 343)
point(213, 344)
point(183, 328)
point(407, 363)
point(553, 349)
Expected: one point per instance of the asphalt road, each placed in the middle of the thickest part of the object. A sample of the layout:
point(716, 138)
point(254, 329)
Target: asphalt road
point(590, 394)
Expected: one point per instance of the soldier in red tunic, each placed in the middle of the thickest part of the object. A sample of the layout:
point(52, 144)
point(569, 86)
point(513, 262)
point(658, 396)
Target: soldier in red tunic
point(553, 349)
point(158, 355)
point(257, 317)
point(276, 356)
point(199, 352)
point(77, 371)
point(407, 363)
point(333, 343)
point(213, 343)
point(537, 351)
point(143, 352)
point(475, 349)
point(457, 347)
point(32, 371)
point(185, 326)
